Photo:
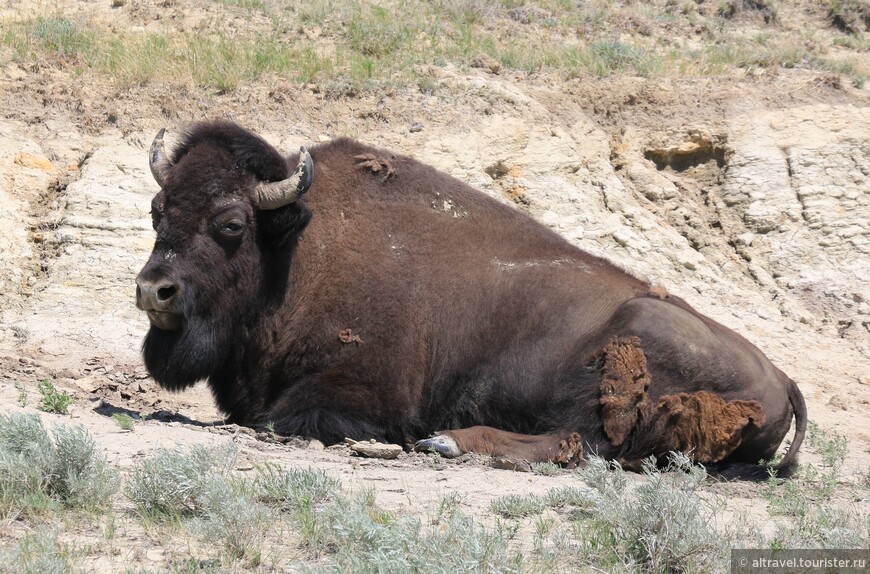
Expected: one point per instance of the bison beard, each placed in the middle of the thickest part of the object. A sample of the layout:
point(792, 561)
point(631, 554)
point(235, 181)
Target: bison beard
point(394, 301)
point(178, 359)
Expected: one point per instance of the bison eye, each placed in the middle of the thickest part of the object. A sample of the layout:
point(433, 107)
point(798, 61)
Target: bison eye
point(232, 228)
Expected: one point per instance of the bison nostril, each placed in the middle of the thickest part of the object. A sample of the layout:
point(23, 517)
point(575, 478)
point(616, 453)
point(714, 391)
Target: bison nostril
point(138, 293)
point(166, 293)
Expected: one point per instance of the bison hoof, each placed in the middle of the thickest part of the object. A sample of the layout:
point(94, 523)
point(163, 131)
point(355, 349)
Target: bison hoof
point(442, 444)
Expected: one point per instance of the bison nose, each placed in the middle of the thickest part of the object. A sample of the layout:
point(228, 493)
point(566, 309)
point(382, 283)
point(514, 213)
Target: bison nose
point(156, 295)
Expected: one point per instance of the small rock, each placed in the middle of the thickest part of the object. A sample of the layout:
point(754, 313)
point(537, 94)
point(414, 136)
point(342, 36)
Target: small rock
point(374, 449)
point(686, 261)
point(88, 384)
point(745, 238)
point(245, 466)
point(486, 62)
point(510, 463)
point(34, 161)
point(623, 237)
point(315, 444)
point(838, 402)
point(687, 148)
point(416, 127)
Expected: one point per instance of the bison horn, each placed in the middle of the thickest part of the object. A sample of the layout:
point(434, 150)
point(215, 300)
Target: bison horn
point(280, 193)
point(157, 160)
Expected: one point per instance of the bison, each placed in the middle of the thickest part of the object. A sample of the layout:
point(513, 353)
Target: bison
point(353, 292)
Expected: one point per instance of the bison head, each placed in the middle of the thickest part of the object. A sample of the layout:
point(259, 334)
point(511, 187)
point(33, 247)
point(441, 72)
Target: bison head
point(225, 217)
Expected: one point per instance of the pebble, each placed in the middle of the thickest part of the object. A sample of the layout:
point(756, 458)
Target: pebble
point(375, 449)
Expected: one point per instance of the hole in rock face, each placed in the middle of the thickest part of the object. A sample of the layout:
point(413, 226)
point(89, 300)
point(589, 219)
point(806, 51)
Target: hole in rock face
point(697, 148)
point(497, 170)
point(685, 157)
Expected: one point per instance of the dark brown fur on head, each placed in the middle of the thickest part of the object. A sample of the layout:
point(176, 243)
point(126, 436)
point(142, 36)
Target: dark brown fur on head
point(225, 277)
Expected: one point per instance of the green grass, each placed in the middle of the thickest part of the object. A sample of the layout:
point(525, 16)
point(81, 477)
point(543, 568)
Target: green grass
point(518, 505)
point(815, 484)
point(53, 400)
point(22, 395)
point(42, 472)
point(814, 519)
point(546, 468)
point(658, 525)
point(123, 420)
point(360, 537)
point(568, 496)
point(258, 5)
point(384, 44)
point(294, 489)
point(662, 520)
point(38, 552)
point(194, 490)
point(230, 516)
point(60, 37)
point(850, 16)
point(171, 484)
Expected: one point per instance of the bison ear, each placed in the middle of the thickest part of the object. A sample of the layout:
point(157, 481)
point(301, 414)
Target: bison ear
point(277, 226)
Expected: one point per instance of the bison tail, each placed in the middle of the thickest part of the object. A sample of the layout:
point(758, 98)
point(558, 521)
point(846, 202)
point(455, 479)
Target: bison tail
point(788, 465)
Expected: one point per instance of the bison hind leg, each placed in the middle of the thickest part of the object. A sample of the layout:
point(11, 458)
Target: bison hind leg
point(560, 448)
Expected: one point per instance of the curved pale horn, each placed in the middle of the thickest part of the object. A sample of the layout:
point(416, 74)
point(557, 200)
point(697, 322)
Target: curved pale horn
point(157, 160)
point(280, 193)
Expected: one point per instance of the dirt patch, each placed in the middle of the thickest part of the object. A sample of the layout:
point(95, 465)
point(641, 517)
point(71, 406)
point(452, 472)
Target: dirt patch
point(347, 336)
point(377, 165)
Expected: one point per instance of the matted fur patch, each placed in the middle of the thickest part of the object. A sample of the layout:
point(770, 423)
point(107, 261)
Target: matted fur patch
point(570, 451)
point(379, 165)
point(623, 387)
point(702, 425)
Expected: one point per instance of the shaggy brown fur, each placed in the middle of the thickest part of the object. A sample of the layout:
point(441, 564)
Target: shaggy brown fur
point(623, 389)
point(702, 425)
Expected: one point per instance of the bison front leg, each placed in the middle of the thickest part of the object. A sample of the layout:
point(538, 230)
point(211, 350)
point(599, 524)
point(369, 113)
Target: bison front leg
point(559, 448)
